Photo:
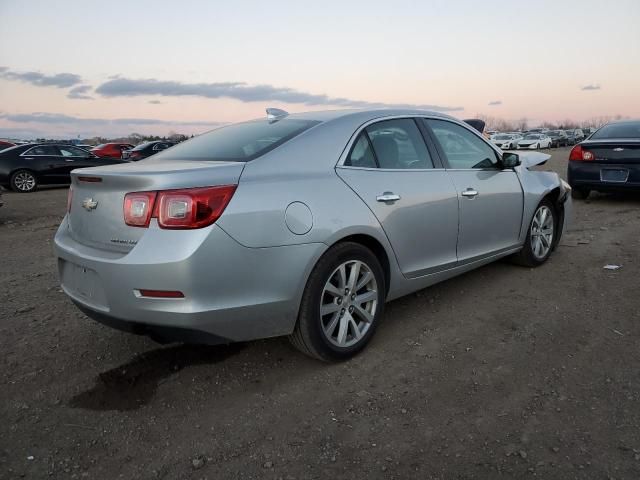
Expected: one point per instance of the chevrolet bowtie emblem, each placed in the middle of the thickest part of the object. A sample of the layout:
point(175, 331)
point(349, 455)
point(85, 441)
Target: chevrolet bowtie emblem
point(89, 204)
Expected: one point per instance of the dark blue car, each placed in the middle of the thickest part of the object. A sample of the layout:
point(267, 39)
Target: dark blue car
point(608, 161)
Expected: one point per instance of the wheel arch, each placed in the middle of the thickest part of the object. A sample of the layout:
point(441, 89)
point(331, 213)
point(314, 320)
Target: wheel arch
point(378, 250)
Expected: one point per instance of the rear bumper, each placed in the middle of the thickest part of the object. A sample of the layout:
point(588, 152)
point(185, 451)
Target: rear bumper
point(588, 175)
point(231, 292)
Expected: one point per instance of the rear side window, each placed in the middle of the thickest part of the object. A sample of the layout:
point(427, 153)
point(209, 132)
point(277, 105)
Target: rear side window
point(361, 154)
point(42, 150)
point(240, 142)
point(391, 144)
point(618, 130)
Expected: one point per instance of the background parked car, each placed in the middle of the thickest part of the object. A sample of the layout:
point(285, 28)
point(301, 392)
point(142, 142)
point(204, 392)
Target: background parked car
point(558, 138)
point(24, 167)
point(111, 150)
point(609, 160)
point(506, 141)
point(146, 149)
point(575, 135)
point(534, 141)
point(85, 146)
point(4, 144)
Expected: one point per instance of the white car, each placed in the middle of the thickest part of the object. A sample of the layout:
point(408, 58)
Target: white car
point(506, 141)
point(534, 141)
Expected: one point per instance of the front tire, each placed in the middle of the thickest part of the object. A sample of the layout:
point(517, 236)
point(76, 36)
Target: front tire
point(541, 236)
point(23, 181)
point(342, 303)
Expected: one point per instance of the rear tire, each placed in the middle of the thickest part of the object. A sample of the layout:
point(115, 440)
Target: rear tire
point(541, 236)
point(23, 181)
point(580, 193)
point(348, 323)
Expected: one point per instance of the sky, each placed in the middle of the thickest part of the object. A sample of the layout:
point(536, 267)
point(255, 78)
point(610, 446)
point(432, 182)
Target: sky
point(84, 68)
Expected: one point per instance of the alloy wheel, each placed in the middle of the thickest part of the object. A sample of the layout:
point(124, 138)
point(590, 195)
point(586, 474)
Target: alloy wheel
point(24, 181)
point(348, 303)
point(542, 232)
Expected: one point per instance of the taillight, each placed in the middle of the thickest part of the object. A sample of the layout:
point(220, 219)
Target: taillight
point(69, 198)
point(138, 208)
point(580, 154)
point(177, 209)
point(134, 155)
point(192, 207)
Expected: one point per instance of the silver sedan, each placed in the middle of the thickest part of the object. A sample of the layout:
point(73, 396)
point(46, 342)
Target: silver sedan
point(301, 225)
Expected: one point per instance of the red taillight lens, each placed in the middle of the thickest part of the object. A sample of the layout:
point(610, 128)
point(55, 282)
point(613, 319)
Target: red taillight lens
point(192, 207)
point(177, 209)
point(69, 198)
point(138, 208)
point(579, 154)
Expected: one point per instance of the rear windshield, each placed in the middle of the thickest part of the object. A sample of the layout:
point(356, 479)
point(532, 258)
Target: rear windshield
point(240, 142)
point(618, 130)
point(102, 145)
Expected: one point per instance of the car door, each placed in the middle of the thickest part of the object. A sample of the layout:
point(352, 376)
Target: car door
point(490, 198)
point(391, 169)
point(45, 161)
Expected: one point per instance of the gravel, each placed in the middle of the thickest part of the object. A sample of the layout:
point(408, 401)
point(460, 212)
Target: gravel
point(505, 372)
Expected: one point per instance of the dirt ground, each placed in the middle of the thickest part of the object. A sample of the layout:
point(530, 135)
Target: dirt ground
point(505, 372)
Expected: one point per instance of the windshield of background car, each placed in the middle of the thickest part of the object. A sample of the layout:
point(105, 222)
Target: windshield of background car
point(240, 142)
point(532, 137)
point(618, 130)
point(503, 137)
point(102, 145)
point(142, 146)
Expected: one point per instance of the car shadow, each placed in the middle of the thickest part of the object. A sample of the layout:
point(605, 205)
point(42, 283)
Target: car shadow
point(614, 197)
point(132, 385)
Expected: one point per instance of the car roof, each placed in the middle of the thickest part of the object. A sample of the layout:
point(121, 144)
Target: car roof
point(364, 114)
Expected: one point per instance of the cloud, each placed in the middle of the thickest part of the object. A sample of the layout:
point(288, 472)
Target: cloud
point(59, 80)
point(155, 102)
point(591, 87)
point(80, 92)
point(63, 119)
point(495, 103)
point(124, 87)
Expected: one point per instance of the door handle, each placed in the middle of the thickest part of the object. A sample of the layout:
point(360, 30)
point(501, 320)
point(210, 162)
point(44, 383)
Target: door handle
point(69, 160)
point(388, 197)
point(470, 193)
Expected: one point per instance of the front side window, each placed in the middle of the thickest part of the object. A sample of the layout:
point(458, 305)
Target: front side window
point(463, 148)
point(42, 150)
point(240, 142)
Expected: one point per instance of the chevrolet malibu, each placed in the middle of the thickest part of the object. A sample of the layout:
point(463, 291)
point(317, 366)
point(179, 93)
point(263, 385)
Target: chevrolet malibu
point(301, 225)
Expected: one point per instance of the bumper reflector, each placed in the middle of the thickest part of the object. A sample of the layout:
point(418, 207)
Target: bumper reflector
point(160, 293)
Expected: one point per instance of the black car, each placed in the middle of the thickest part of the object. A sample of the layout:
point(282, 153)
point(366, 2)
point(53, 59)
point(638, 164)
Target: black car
point(608, 161)
point(559, 138)
point(24, 167)
point(147, 149)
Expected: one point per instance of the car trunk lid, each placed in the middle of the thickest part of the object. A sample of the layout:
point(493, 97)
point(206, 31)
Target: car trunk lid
point(614, 151)
point(96, 217)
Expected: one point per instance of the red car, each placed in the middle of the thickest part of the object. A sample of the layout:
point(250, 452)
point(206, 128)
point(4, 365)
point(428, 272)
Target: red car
point(111, 150)
point(4, 144)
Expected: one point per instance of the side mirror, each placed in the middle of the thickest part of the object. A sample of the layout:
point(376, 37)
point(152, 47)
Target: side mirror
point(510, 160)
